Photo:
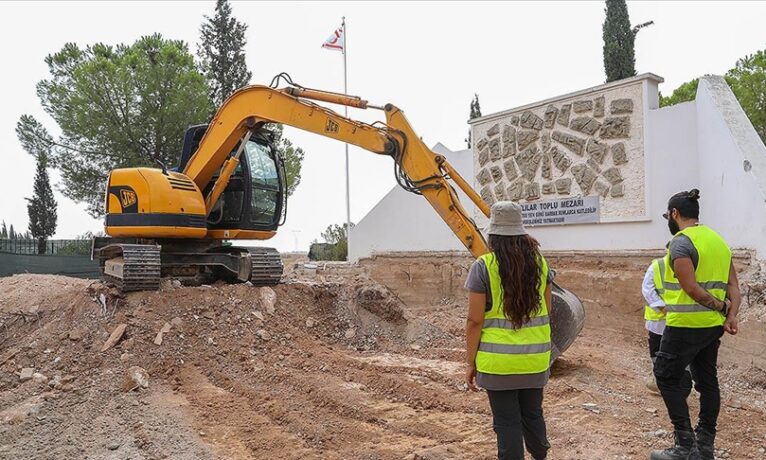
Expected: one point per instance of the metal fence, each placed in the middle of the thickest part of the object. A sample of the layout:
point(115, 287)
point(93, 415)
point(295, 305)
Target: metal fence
point(61, 257)
point(51, 247)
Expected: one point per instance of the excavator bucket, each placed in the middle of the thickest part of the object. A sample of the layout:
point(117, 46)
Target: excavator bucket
point(567, 319)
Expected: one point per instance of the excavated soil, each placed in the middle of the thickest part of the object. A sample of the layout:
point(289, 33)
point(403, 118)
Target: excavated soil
point(308, 370)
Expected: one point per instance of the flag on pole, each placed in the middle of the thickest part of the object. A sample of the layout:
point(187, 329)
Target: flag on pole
point(336, 41)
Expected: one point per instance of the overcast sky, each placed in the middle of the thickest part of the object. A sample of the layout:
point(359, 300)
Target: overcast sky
point(426, 58)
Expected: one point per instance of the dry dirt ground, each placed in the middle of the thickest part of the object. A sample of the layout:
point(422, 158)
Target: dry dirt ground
point(332, 370)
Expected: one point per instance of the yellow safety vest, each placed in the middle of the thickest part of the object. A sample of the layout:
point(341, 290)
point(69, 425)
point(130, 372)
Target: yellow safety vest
point(659, 272)
point(712, 274)
point(504, 350)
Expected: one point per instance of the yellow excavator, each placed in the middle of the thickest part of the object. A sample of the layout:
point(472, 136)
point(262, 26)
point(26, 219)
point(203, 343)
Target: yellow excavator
point(231, 185)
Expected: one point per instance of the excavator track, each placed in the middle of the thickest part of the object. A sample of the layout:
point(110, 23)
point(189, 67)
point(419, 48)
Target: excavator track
point(266, 266)
point(141, 268)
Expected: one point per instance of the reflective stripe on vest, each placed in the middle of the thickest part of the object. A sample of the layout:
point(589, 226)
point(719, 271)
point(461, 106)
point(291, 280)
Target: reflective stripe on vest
point(505, 350)
point(712, 273)
point(658, 270)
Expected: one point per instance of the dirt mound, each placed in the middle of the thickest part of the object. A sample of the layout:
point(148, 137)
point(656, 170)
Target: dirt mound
point(340, 369)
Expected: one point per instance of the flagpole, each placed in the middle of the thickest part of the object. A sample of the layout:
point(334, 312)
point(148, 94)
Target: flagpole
point(345, 110)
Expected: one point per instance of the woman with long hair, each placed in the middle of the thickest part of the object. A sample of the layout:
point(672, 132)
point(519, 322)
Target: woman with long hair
point(508, 334)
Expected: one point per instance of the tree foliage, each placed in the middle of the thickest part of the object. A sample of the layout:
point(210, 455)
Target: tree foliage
point(41, 208)
point(116, 106)
point(3, 231)
point(222, 53)
point(293, 158)
point(619, 41)
point(335, 246)
point(748, 82)
point(475, 112)
point(684, 93)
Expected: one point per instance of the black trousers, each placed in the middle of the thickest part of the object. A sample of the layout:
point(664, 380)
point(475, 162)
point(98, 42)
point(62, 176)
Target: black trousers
point(654, 344)
point(517, 417)
point(697, 348)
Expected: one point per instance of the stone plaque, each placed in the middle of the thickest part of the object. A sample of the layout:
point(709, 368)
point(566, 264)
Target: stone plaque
point(562, 211)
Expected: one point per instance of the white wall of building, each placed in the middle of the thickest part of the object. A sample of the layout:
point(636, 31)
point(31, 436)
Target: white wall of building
point(732, 168)
point(403, 221)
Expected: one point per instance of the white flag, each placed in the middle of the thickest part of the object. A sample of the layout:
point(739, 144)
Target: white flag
point(336, 41)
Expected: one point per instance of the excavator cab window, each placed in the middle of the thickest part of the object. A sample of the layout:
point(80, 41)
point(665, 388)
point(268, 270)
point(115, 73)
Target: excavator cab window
point(254, 198)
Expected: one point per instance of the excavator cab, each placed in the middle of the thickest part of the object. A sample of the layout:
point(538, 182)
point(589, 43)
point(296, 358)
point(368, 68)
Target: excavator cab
point(255, 198)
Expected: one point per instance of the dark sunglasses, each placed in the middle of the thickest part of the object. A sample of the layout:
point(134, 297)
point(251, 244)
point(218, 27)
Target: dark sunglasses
point(666, 215)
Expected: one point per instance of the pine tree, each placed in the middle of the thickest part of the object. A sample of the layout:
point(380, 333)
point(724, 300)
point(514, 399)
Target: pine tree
point(11, 233)
point(619, 41)
point(42, 207)
point(222, 53)
point(475, 113)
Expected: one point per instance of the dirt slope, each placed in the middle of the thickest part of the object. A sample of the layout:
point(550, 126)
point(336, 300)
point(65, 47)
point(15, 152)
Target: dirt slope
point(340, 370)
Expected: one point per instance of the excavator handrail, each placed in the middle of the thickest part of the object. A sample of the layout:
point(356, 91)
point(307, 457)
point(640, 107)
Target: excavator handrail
point(418, 168)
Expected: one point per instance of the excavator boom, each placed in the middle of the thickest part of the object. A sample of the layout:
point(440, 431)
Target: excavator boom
point(420, 170)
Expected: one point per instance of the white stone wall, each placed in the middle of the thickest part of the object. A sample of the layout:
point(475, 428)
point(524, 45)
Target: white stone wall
point(588, 143)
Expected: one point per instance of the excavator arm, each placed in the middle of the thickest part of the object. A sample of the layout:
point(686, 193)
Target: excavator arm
point(418, 168)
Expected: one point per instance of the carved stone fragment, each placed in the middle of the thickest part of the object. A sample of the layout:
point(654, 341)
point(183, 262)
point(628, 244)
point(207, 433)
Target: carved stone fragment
point(548, 188)
point(483, 156)
point(510, 170)
point(481, 144)
point(531, 121)
point(582, 106)
point(496, 173)
point(560, 159)
point(516, 190)
point(564, 185)
point(532, 191)
point(524, 138)
point(619, 156)
point(573, 143)
point(494, 130)
point(484, 176)
point(487, 195)
point(515, 120)
point(585, 125)
point(584, 176)
point(546, 169)
point(593, 165)
point(500, 191)
point(596, 150)
point(612, 175)
point(494, 149)
point(598, 108)
point(528, 161)
point(509, 141)
point(551, 112)
point(618, 106)
point(601, 188)
point(545, 140)
point(618, 190)
point(563, 118)
point(615, 128)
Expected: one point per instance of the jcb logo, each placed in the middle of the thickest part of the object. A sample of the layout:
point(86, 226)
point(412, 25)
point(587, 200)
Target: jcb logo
point(331, 126)
point(128, 198)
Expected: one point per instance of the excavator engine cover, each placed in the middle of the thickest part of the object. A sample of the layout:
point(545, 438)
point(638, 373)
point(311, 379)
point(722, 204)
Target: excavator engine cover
point(150, 203)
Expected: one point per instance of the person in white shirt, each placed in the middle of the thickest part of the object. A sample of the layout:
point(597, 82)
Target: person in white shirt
point(654, 316)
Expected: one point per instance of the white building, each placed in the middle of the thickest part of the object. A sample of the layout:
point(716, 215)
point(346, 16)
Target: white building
point(613, 144)
point(403, 221)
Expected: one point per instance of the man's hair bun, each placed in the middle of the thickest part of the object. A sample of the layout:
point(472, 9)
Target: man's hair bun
point(693, 194)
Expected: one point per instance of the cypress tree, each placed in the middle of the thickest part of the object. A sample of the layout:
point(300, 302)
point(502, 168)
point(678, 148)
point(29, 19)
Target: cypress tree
point(4, 231)
point(474, 113)
point(12, 233)
point(222, 53)
point(619, 41)
point(42, 207)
